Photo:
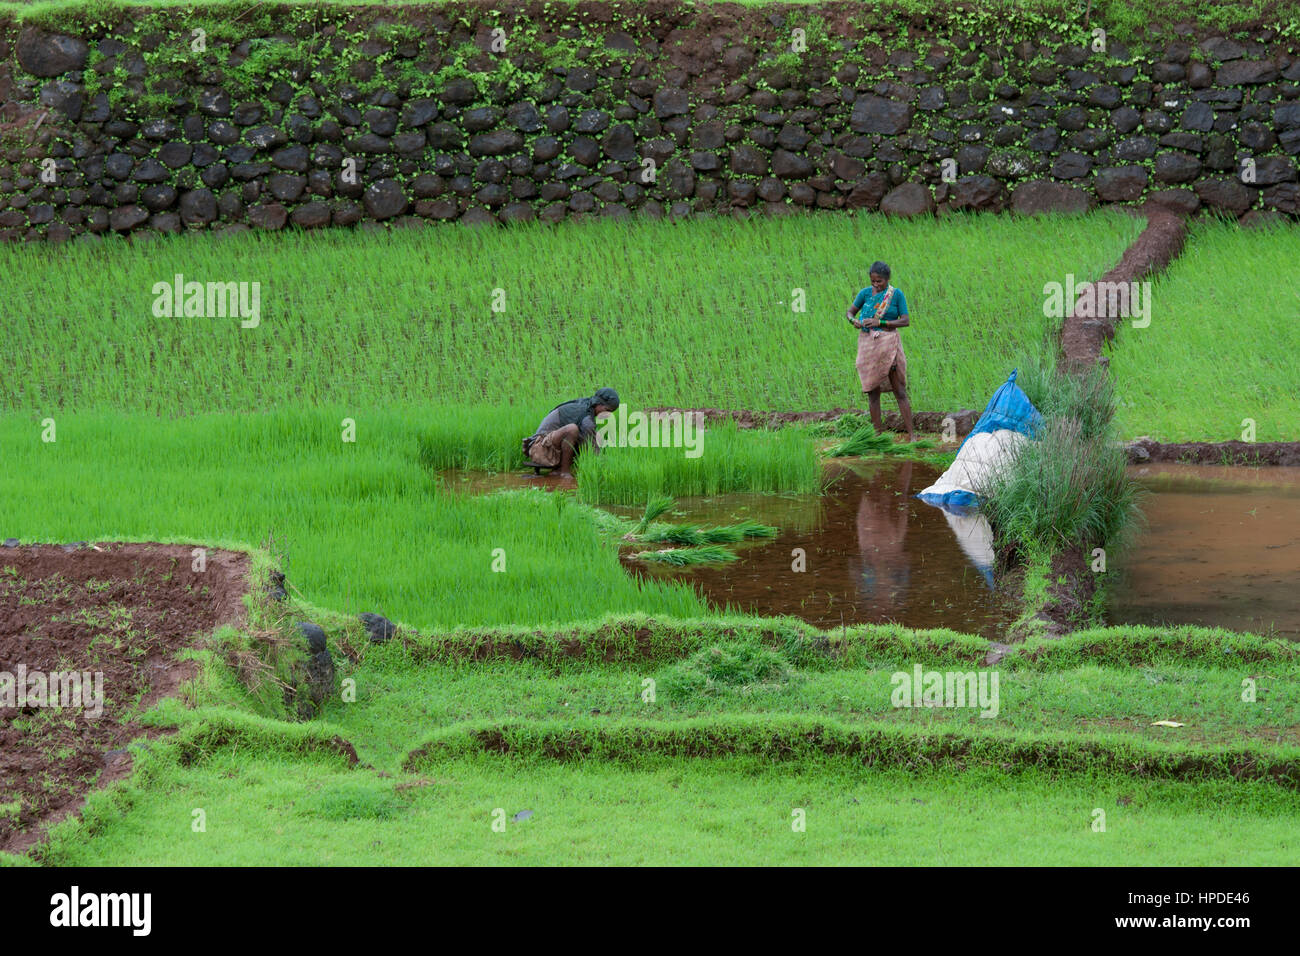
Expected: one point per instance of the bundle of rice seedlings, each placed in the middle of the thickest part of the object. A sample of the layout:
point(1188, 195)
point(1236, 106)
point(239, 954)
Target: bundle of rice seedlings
point(691, 534)
point(867, 441)
point(682, 557)
point(864, 441)
point(653, 509)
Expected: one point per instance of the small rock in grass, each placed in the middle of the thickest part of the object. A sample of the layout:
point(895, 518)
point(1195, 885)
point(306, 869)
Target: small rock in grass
point(276, 590)
point(522, 815)
point(320, 677)
point(11, 542)
point(378, 627)
point(314, 634)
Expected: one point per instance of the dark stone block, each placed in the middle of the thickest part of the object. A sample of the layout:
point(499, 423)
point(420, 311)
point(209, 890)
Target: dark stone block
point(198, 207)
point(620, 144)
point(1176, 168)
point(788, 165)
point(1182, 201)
point(64, 96)
point(1125, 119)
point(1189, 142)
point(1284, 197)
point(670, 101)
point(1135, 148)
point(496, 143)
point(908, 199)
point(978, 192)
point(384, 199)
point(972, 159)
point(1121, 183)
point(874, 114)
point(381, 122)
point(287, 187)
point(1040, 196)
point(1272, 170)
point(49, 54)
point(268, 216)
point(1072, 118)
point(158, 198)
point(1247, 73)
point(149, 170)
point(591, 121)
point(748, 161)
point(1227, 195)
point(125, 218)
point(459, 92)
point(585, 151)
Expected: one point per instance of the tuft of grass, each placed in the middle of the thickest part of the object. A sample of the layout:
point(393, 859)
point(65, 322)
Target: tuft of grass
point(1070, 486)
point(722, 668)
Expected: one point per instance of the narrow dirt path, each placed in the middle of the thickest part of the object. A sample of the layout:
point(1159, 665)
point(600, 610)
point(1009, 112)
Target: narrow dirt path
point(1095, 315)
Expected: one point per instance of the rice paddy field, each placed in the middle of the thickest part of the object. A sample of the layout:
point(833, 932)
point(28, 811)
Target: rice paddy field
point(543, 705)
point(712, 313)
point(1222, 351)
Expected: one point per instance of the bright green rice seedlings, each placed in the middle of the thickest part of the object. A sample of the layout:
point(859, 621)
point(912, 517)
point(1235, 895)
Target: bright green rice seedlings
point(653, 509)
point(684, 557)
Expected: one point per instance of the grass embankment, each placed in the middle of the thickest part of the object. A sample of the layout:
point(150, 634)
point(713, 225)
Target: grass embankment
point(1136, 22)
point(1222, 344)
point(692, 314)
point(780, 725)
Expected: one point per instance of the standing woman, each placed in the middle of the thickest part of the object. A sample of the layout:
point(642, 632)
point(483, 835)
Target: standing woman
point(882, 366)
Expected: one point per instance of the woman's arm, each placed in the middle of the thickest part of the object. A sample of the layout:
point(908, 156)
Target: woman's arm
point(902, 322)
point(853, 310)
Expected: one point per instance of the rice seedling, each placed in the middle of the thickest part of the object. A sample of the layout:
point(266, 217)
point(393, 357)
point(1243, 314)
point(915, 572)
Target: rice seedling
point(403, 317)
point(363, 524)
point(864, 441)
point(685, 557)
point(1210, 367)
point(653, 509)
point(690, 534)
point(732, 459)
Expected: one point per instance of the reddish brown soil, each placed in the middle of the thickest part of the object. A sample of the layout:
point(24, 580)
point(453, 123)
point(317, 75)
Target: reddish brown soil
point(930, 422)
point(1162, 239)
point(124, 610)
point(1219, 453)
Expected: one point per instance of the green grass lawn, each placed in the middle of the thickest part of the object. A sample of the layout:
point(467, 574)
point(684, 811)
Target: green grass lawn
point(260, 810)
point(1223, 345)
point(428, 788)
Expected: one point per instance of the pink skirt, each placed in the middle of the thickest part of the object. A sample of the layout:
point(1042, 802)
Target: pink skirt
point(878, 352)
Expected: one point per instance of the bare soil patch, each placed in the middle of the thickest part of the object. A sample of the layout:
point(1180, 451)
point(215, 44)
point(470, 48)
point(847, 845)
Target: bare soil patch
point(928, 422)
point(1285, 453)
point(120, 610)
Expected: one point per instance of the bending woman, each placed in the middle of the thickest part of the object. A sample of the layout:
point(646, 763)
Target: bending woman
point(879, 311)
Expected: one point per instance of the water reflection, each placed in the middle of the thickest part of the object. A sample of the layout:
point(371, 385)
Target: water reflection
point(874, 554)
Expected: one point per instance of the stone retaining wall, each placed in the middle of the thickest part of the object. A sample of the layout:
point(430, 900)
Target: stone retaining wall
point(452, 112)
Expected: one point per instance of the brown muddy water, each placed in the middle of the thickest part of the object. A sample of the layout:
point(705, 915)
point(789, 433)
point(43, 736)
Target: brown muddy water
point(1221, 548)
point(871, 552)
